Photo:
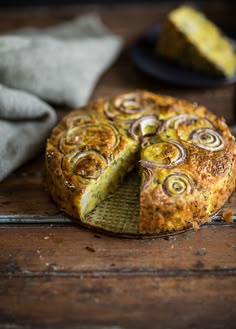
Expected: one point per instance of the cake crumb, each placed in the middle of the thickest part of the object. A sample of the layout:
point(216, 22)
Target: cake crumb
point(228, 215)
point(91, 249)
point(195, 225)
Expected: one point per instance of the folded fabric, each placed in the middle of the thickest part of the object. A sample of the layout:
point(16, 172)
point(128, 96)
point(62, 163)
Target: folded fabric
point(60, 64)
point(25, 122)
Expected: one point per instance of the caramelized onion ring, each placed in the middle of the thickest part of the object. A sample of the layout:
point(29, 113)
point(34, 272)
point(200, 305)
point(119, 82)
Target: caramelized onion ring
point(88, 164)
point(141, 125)
point(146, 142)
point(178, 184)
point(147, 175)
point(186, 119)
point(108, 111)
point(179, 119)
point(128, 103)
point(75, 120)
point(97, 136)
point(172, 155)
point(208, 139)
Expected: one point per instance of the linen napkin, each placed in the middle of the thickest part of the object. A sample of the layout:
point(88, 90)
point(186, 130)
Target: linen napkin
point(25, 122)
point(59, 65)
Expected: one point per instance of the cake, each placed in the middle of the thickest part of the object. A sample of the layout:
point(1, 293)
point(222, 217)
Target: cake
point(184, 153)
point(191, 40)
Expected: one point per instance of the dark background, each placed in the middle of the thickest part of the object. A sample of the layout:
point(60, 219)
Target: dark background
point(106, 2)
point(226, 19)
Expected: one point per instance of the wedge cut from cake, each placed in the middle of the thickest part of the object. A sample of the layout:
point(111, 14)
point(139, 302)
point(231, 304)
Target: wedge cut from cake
point(185, 155)
point(191, 40)
point(86, 160)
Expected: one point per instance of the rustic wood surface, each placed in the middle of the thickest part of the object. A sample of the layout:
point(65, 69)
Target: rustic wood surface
point(65, 276)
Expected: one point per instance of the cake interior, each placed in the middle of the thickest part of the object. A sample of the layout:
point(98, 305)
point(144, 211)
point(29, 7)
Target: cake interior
point(108, 181)
point(119, 212)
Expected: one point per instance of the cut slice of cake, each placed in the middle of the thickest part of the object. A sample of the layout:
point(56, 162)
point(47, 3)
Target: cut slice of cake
point(87, 161)
point(191, 40)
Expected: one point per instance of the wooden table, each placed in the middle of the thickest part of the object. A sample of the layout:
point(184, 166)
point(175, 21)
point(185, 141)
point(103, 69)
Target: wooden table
point(64, 276)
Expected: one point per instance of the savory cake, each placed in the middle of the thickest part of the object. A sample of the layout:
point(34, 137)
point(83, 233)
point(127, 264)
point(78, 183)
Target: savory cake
point(191, 40)
point(185, 155)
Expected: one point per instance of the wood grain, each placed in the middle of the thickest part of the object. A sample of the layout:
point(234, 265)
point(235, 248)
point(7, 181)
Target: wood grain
point(65, 276)
point(118, 303)
point(77, 251)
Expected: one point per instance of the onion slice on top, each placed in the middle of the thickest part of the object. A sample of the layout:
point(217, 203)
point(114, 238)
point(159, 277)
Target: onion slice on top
point(163, 155)
point(75, 120)
point(187, 120)
point(208, 139)
point(87, 164)
point(178, 184)
point(176, 120)
point(109, 111)
point(147, 175)
point(102, 137)
point(128, 103)
point(147, 125)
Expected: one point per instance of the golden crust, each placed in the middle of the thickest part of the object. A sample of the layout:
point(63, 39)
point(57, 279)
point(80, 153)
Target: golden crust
point(188, 166)
point(209, 173)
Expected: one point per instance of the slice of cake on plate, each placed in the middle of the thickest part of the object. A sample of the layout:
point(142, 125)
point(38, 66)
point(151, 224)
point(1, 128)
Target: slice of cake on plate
point(191, 40)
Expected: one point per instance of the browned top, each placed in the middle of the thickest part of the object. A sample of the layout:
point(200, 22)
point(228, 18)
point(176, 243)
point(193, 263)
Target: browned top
point(63, 276)
point(189, 154)
point(194, 173)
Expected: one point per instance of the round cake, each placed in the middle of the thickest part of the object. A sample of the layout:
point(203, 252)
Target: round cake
point(141, 164)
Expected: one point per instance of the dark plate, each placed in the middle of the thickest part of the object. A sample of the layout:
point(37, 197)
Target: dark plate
point(144, 56)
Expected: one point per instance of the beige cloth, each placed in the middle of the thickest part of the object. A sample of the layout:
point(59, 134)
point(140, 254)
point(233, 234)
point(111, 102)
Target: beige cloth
point(25, 122)
point(59, 65)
